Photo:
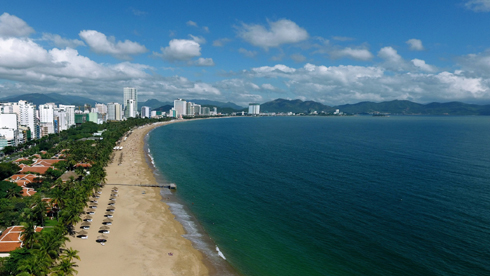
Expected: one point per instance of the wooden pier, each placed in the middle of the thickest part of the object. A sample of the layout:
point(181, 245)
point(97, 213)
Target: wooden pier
point(171, 186)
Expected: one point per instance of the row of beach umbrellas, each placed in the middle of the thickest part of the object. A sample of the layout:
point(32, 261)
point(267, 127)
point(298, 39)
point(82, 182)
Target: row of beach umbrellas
point(108, 216)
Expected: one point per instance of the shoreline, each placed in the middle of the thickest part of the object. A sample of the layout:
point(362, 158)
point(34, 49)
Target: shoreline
point(145, 238)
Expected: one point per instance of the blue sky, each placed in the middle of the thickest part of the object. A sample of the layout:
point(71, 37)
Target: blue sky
point(334, 52)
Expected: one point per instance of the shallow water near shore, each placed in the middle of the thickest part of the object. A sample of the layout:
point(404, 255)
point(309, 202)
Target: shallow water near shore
point(336, 195)
point(213, 258)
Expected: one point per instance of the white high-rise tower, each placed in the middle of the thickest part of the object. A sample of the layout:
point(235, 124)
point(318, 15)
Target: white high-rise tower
point(130, 93)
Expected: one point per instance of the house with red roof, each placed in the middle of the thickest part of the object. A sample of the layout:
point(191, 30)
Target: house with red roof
point(10, 239)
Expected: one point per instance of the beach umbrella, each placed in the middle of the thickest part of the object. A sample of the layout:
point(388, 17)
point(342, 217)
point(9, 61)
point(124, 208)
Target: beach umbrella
point(90, 212)
point(85, 224)
point(104, 228)
point(83, 232)
point(88, 217)
point(111, 208)
point(107, 220)
point(111, 203)
point(112, 199)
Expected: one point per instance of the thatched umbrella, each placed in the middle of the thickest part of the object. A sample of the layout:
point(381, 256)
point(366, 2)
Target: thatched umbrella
point(90, 212)
point(114, 195)
point(107, 220)
point(111, 203)
point(114, 189)
point(111, 208)
point(101, 238)
point(88, 217)
point(104, 228)
point(83, 232)
point(112, 198)
point(94, 204)
point(86, 223)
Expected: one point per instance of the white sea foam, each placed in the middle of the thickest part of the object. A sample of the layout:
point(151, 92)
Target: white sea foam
point(220, 253)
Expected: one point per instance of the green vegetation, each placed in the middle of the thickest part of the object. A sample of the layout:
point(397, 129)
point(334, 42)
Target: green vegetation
point(43, 252)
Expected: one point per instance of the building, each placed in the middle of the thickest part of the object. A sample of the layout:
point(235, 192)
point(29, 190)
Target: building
point(180, 107)
point(206, 111)
point(70, 114)
point(145, 112)
point(130, 102)
point(46, 118)
point(254, 109)
point(9, 128)
point(114, 111)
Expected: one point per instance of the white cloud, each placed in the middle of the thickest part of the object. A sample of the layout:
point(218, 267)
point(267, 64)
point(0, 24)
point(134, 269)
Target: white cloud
point(12, 26)
point(204, 62)
point(279, 68)
point(62, 42)
point(101, 44)
point(476, 64)
point(423, 66)
point(357, 54)
point(268, 86)
point(21, 53)
point(415, 44)
point(205, 29)
point(392, 60)
point(279, 32)
point(198, 39)
point(180, 50)
point(191, 23)
point(138, 12)
point(221, 42)
point(247, 53)
point(478, 5)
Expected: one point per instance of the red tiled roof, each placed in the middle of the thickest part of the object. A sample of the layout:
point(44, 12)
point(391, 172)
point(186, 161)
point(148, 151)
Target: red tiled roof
point(85, 165)
point(21, 159)
point(28, 191)
point(29, 177)
point(41, 170)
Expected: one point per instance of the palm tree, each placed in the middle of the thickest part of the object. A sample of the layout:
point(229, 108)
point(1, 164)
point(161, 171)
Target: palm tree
point(70, 254)
point(65, 268)
point(29, 235)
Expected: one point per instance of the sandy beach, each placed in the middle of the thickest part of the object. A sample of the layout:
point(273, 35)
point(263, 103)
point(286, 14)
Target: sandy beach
point(144, 238)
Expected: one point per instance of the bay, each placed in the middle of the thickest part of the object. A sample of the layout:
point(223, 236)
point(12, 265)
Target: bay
point(360, 195)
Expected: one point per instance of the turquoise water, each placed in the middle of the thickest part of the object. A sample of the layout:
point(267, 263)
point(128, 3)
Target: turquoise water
point(336, 195)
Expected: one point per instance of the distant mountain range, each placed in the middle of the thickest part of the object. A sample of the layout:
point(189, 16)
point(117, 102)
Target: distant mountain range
point(282, 105)
point(391, 107)
point(37, 99)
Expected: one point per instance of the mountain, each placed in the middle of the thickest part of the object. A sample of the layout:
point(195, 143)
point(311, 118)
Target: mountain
point(154, 104)
point(37, 99)
point(296, 106)
point(411, 108)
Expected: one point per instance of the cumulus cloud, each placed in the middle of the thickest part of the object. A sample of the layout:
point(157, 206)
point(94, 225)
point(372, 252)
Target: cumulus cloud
point(478, 5)
point(61, 42)
point(349, 84)
point(423, 66)
point(476, 64)
point(221, 42)
point(247, 53)
point(101, 44)
point(415, 44)
point(392, 60)
point(12, 26)
point(279, 32)
point(204, 62)
point(21, 53)
point(357, 54)
point(180, 50)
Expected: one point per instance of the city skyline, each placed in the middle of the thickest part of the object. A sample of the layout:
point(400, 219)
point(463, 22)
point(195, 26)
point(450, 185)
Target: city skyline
point(332, 53)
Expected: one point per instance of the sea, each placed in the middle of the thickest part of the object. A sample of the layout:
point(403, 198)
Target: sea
point(353, 195)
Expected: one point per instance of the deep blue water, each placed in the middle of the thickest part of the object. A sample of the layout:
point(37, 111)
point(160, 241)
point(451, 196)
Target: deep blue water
point(337, 195)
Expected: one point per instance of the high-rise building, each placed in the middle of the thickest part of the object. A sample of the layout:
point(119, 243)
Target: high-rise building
point(145, 112)
point(253, 109)
point(180, 107)
point(70, 114)
point(46, 118)
point(114, 112)
point(129, 94)
point(9, 128)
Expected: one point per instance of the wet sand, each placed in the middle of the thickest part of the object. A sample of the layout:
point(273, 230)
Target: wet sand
point(145, 238)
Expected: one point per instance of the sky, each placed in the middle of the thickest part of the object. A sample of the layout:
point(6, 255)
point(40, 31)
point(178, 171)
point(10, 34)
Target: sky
point(333, 52)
